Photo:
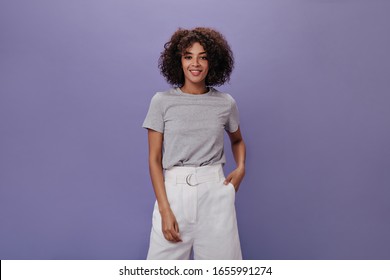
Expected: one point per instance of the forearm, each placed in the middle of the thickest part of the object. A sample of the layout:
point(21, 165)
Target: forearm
point(239, 153)
point(170, 227)
point(157, 177)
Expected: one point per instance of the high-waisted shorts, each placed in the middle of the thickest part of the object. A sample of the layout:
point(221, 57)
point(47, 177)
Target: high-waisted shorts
point(205, 212)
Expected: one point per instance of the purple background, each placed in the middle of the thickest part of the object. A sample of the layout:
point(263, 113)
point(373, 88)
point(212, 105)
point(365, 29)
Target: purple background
point(311, 81)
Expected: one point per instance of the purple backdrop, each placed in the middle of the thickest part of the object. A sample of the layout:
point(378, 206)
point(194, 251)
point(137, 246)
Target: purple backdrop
point(311, 81)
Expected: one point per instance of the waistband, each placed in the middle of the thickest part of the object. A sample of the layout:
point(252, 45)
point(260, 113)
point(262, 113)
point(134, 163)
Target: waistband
point(194, 176)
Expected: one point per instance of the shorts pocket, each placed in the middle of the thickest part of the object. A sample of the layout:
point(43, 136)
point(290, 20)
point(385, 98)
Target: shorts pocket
point(232, 186)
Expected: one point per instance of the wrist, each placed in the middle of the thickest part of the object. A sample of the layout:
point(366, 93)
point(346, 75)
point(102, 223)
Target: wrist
point(241, 166)
point(164, 207)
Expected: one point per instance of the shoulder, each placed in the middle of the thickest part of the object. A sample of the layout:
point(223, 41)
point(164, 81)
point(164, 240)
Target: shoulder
point(162, 100)
point(224, 96)
point(163, 96)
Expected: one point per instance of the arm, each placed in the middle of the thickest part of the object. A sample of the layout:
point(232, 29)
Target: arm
point(169, 225)
point(239, 153)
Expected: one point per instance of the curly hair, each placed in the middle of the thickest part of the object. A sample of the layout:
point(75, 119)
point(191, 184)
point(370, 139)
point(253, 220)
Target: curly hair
point(219, 55)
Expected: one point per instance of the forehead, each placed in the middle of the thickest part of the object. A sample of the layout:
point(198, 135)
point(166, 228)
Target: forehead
point(195, 48)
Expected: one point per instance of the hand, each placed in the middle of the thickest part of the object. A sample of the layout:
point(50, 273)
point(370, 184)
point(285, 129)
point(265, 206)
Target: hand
point(169, 225)
point(235, 177)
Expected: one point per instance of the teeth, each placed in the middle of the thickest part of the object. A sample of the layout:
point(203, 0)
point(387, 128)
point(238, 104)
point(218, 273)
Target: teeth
point(195, 72)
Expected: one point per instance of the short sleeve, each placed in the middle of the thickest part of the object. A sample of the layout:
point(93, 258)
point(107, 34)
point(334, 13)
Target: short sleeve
point(233, 121)
point(155, 116)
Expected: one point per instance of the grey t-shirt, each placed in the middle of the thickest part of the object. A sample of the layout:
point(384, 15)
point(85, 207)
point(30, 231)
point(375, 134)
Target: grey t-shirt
point(193, 125)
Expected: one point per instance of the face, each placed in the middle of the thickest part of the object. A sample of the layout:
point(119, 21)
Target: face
point(195, 65)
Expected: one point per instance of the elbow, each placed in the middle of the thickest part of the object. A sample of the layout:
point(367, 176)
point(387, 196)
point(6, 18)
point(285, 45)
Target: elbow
point(238, 141)
point(155, 160)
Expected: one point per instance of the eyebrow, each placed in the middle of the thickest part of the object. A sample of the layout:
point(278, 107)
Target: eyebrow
point(192, 53)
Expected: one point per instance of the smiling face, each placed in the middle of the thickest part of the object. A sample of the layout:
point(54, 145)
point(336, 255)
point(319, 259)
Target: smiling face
point(195, 66)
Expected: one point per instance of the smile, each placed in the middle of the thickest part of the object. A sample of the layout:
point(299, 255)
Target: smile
point(195, 72)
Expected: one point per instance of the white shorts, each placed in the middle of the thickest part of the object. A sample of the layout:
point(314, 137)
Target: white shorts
point(204, 209)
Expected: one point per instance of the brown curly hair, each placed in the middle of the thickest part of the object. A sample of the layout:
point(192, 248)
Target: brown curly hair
point(219, 55)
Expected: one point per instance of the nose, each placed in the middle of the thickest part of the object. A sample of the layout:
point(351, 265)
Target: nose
point(195, 62)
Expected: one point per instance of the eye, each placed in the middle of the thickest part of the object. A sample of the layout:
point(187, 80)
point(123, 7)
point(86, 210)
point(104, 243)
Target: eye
point(204, 58)
point(187, 57)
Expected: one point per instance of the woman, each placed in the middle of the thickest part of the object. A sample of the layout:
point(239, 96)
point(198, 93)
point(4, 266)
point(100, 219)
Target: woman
point(194, 207)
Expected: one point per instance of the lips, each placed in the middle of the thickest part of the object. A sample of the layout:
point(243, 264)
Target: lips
point(195, 72)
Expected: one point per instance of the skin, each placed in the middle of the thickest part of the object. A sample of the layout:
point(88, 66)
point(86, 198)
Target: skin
point(195, 68)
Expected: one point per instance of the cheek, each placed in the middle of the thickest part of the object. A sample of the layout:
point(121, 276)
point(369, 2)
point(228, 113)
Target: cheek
point(206, 67)
point(207, 71)
point(184, 63)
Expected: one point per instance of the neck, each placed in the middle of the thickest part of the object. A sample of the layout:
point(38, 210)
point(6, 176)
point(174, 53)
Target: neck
point(194, 89)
